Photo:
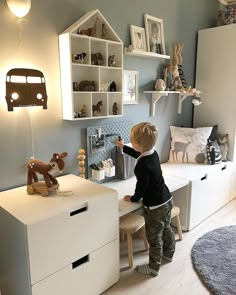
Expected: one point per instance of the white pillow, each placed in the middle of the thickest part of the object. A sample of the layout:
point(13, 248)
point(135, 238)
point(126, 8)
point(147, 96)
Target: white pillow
point(188, 145)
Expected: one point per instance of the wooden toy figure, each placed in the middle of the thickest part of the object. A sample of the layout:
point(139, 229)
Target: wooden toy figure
point(115, 108)
point(81, 157)
point(50, 183)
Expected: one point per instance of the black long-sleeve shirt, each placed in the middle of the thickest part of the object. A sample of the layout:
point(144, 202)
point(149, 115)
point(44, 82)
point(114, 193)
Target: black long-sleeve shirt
point(150, 184)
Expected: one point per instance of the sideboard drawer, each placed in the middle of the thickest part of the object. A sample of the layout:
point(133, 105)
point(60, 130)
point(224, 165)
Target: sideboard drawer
point(56, 242)
point(89, 275)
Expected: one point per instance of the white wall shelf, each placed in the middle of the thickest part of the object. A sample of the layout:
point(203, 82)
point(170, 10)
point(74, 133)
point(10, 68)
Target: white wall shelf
point(145, 54)
point(156, 95)
point(77, 104)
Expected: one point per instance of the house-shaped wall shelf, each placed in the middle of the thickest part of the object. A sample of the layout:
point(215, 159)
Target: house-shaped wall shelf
point(86, 48)
point(156, 95)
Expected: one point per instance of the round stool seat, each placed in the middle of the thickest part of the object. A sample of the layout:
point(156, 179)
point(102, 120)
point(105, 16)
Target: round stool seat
point(131, 222)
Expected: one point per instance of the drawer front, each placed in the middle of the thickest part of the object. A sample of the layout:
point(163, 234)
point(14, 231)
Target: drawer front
point(208, 195)
point(58, 241)
point(90, 275)
point(200, 199)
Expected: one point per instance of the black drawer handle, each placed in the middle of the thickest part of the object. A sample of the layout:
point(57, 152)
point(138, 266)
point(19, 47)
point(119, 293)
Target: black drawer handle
point(80, 261)
point(224, 168)
point(78, 211)
point(204, 177)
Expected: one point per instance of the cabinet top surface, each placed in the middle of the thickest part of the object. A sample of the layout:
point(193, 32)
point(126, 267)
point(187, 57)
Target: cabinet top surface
point(219, 28)
point(193, 171)
point(32, 208)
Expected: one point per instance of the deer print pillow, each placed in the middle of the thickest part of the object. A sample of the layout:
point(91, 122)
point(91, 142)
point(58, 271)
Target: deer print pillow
point(188, 145)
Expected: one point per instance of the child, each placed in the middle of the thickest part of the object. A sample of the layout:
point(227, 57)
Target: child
point(157, 200)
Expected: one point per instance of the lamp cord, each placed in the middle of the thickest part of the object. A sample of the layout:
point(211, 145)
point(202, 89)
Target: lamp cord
point(32, 132)
point(19, 22)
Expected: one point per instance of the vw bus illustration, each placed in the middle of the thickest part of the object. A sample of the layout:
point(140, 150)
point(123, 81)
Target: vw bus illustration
point(25, 88)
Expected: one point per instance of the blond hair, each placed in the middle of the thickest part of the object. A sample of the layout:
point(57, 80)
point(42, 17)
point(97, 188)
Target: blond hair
point(145, 134)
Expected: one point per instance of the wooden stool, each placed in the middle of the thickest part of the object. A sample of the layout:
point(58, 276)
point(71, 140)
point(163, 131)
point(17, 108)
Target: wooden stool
point(130, 224)
point(175, 214)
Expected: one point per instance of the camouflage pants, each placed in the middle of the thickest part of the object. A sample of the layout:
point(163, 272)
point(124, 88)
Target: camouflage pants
point(159, 234)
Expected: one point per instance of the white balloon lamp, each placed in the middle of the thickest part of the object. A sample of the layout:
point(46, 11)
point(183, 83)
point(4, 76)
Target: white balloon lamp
point(19, 7)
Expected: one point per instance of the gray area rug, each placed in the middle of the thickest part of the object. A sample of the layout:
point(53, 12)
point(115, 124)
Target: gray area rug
point(214, 259)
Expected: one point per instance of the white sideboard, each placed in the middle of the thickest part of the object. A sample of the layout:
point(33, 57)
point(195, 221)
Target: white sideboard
point(56, 244)
point(209, 189)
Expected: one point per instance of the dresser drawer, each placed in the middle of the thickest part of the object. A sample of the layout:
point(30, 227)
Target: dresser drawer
point(90, 275)
point(56, 242)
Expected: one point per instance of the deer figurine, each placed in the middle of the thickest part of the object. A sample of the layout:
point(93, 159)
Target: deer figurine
point(90, 31)
point(36, 166)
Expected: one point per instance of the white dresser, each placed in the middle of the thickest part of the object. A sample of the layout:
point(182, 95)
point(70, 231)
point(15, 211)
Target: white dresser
point(59, 244)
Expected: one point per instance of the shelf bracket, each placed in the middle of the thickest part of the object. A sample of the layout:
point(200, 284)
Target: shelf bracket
point(155, 98)
point(182, 97)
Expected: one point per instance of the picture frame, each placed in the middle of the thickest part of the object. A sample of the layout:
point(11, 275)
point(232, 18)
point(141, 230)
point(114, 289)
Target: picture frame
point(130, 87)
point(138, 38)
point(154, 29)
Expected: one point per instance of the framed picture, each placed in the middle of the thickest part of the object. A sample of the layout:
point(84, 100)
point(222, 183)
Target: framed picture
point(155, 34)
point(130, 91)
point(138, 38)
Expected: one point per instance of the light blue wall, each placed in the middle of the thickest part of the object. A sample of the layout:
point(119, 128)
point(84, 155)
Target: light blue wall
point(46, 20)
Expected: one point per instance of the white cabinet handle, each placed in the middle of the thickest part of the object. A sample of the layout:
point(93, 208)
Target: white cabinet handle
point(78, 211)
point(80, 261)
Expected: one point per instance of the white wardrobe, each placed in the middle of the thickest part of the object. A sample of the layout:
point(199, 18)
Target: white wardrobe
point(216, 78)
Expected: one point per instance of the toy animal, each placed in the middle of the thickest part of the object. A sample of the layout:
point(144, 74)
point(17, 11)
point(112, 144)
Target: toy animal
point(113, 86)
point(90, 31)
point(111, 60)
point(115, 108)
point(104, 87)
point(83, 112)
point(97, 59)
point(160, 85)
point(36, 166)
point(79, 57)
point(224, 146)
point(86, 85)
point(97, 108)
point(168, 77)
point(104, 31)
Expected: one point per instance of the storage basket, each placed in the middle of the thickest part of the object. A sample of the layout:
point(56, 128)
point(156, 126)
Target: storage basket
point(227, 16)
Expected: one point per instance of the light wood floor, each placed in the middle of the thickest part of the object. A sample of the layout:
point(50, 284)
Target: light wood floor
point(177, 277)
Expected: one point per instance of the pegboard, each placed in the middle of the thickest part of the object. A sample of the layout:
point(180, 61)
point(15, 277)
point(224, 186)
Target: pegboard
point(111, 132)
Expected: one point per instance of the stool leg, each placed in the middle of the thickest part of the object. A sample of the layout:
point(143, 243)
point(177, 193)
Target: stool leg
point(179, 229)
point(122, 236)
point(130, 249)
point(143, 235)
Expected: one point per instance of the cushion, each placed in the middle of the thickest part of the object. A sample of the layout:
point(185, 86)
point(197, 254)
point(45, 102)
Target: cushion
point(188, 145)
point(213, 152)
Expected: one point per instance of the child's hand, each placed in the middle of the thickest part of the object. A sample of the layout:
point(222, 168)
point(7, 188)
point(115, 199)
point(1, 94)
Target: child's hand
point(127, 198)
point(119, 143)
